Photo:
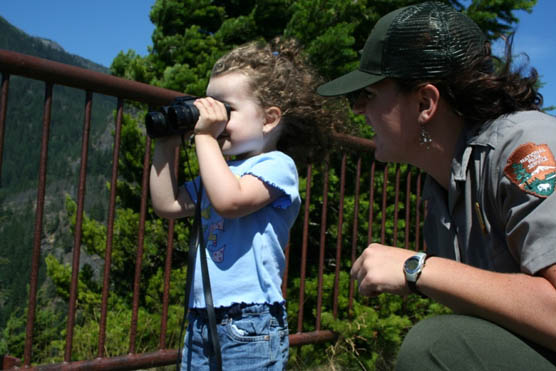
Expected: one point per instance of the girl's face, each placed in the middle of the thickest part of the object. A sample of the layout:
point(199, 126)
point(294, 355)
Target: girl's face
point(243, 134)
point(393, 117)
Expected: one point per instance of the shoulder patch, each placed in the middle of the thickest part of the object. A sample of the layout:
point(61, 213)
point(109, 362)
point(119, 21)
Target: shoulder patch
point(532, 168)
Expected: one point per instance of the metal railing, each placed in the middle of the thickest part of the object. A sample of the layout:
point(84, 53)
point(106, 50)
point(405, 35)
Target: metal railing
point(356, 149)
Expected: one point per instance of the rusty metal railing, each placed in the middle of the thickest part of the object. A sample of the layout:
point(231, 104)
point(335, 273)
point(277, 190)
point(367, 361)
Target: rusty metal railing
point(357, 149)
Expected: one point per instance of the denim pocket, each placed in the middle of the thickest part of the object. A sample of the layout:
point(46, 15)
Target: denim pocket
point(251, 328)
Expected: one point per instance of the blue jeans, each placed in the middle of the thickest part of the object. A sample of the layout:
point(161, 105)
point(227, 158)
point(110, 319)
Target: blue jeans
point(252, 337)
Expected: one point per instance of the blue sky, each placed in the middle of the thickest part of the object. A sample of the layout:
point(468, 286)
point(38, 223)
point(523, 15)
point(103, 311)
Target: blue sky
point(98, 30)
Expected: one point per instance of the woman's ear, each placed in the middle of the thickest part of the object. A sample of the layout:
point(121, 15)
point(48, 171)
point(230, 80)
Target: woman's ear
point(429, 97)
point(273, 115)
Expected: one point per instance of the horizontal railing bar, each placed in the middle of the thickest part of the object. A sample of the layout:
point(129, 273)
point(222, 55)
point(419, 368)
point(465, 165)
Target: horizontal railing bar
point(353, 143)
point(98, 82)
point(81, 78)
point(126, 362)
point(163, 357)
point(312, 337)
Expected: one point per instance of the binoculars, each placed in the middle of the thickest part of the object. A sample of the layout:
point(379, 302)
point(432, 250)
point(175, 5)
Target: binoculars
point(177, 118)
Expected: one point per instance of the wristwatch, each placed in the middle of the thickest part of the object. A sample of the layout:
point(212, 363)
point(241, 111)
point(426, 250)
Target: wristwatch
point(412, 269)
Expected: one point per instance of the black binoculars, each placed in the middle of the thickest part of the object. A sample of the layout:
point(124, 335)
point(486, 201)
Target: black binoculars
point(177, 118)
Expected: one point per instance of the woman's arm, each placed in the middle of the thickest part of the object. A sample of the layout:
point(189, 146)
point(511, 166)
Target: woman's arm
point(520, 302)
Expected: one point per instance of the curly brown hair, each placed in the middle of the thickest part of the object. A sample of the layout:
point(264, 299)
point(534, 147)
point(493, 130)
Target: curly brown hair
point(482, 92)
point(280, 75)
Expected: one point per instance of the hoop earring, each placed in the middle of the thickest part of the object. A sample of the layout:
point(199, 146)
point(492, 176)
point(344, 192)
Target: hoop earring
point(425, 138)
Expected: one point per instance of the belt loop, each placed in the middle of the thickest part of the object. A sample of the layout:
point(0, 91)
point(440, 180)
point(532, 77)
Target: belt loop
point(234, 310)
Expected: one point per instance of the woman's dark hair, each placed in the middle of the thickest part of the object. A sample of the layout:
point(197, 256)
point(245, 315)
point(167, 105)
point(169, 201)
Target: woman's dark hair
point(488, 88)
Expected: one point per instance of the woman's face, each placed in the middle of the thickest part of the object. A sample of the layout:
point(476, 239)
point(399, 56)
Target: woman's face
point(393, 116)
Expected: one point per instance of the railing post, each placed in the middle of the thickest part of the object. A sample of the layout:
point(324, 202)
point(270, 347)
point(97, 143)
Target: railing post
point(322, 244)
point(418, 215)
point(38, 226)
point(396, 207)
point(3, 111)
point(140, 245)
point(339, 236)
point(407, 208)
point(384, 205)
point(110, 229)
point(168, 267)
point(78, 226)
point(354, 234)
point(304, 250)
point(371, 202)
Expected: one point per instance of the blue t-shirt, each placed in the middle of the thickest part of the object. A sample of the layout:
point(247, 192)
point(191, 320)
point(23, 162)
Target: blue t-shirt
point(245, 255)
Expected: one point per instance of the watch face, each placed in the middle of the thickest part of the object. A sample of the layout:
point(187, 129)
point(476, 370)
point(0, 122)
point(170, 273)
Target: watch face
point(411, 265)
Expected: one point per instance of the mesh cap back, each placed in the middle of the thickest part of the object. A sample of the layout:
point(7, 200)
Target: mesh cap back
point(421, 41)
point(430, 40)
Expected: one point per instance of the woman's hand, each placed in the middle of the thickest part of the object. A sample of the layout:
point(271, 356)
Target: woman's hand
point(212, 117)
point(380, 269)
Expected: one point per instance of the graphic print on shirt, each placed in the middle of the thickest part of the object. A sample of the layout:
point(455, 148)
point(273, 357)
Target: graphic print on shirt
point(215, 225)
point(532, 168)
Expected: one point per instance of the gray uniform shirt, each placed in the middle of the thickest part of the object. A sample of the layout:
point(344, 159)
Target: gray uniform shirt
point(500, 211)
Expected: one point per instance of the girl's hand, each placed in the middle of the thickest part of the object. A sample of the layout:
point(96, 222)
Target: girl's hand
point(380, 269)
point(212, 117)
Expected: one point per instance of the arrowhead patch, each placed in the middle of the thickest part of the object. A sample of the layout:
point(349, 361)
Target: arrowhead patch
point(532, 168)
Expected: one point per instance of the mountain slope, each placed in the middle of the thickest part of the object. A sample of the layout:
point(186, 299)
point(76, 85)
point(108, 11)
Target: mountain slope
point(21, 156)
point(16, 40)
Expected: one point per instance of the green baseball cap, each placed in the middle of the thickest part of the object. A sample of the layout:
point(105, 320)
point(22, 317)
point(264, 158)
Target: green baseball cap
point(427, 40)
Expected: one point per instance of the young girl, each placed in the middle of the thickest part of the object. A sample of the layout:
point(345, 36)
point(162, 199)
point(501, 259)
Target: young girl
point(250, 203)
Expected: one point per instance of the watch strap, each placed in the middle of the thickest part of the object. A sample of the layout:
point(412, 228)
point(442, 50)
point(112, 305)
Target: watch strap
point(413, 287)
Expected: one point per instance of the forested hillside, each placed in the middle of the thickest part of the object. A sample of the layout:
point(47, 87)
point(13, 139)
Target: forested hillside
point(22, 144)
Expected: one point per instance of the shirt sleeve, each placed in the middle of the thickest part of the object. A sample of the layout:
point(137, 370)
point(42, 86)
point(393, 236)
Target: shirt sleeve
point(277, 170)
point(192, 187)
point(526, 174)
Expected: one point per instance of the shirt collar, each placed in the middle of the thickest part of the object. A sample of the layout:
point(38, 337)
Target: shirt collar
point(483, 136)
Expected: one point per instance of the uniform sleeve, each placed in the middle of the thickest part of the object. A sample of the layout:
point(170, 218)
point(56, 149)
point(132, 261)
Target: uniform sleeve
point(526, 174)
point(278, 171)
